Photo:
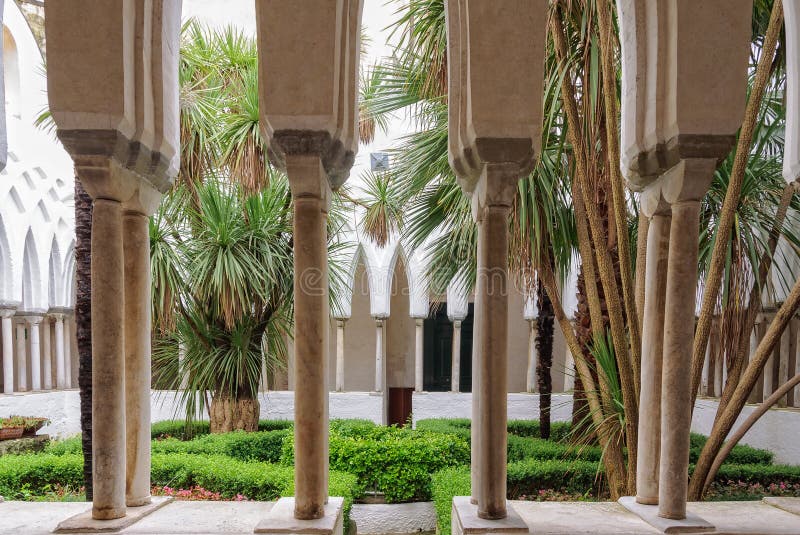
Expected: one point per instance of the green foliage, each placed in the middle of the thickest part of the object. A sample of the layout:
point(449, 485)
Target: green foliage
point(21, 475)
point(445, 485)
point(559, 431)
point(529, 476)
point(395, 461)
point(740, 454)
point(178, 428)
point(520, 448)
point(758, 473)
point(69, 446)
point(262, 446)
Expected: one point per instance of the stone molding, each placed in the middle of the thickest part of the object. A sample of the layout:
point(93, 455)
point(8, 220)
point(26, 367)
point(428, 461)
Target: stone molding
point(336, 159)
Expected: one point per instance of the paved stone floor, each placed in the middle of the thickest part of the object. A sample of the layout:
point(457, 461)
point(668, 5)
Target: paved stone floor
point(551, 518)
point(607, 518)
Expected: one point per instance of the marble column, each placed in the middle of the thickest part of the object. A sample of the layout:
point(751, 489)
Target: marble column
point(8, 350)
point(108, 361)
point(136, 247)
point(492, 219)
point(340, 355)
point(676, 397)
point(47, 355)
point(647, 467)
point(22, 357)
point(61, 370)
point(67, 353)
point(419, 354)
point(36, 352)
point(530, 383)
point(379, 357)
point(455, 369)
point(182, 371)
point(310, 191)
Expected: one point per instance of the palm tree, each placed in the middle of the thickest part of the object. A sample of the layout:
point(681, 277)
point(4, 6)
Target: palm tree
point(580, 149)
point(221, 243)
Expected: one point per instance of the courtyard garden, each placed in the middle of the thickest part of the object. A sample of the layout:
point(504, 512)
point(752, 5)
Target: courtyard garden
point(372, 463)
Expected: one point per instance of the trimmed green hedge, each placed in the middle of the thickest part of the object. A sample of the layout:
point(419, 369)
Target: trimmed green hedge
point(262, 446)
point(396, 461)
point(446, 484)
point(179, 429)
point(521, 448)
point(36, 474)
point(528, 477)
point(740, 454)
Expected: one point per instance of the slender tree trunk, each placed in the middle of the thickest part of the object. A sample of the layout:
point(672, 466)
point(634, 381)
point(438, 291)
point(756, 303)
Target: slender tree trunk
point(83, 323)
point(582, 425)
point(544, 363)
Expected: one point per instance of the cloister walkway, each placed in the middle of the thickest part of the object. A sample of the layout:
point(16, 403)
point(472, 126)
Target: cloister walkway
point(554, 518)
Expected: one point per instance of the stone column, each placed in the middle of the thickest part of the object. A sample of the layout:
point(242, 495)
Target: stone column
point(136, 246)
point(379, 360)
point(47, 356)
point(8, 350)
point(340, 355)
point(676, 396)
point(492, 218)
point(61, 370)
point(36, 352)
point(419, 355)
point(530, 385)
point(455, 374)
point(647, 467)
point(309, 185)
point(67, 354)
point(184, 373)
point(22, 358)
point(108, 361)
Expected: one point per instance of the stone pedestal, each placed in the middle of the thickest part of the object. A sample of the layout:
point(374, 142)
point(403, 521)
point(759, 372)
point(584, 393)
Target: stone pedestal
point(465, 520)
point(649, 513)
point(281, 519)
point(85, 523)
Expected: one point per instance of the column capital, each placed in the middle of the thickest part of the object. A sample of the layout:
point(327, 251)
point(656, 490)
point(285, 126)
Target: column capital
point(457, 323)
point(7, 312)
point(379, 320)
point(419, 322)
point(33, 319)
point(340, 322)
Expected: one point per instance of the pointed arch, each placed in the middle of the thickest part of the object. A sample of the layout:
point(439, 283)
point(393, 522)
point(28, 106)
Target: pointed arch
point(6, 265)
point(68, 274)
point(31, 275)
point(16, 200)
point(55, 277)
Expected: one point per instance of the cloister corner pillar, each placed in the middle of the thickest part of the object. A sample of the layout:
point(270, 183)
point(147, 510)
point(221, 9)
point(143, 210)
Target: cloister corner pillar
point(311, 196)
point(136, 251)
point(340, 325)
point(491, 207)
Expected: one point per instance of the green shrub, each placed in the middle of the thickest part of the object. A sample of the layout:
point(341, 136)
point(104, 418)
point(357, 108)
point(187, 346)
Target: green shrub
point(38, 473)
point(62, 447)
point(180, 430)
point(528, 477)
point(559, 431)
point(353, 428)
point(521, 448)
point(399, 463)
point(259, 446)
point(740, 454)
point(756, 473)
point(445, 485)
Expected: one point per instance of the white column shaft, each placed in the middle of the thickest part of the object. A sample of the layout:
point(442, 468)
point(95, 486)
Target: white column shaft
point(531, 376)
point(136, 245)
point(47, 356)
point(419, 362)
point(61, 370)
point(8, 355)
point(67, 354)
point(22, 358)
point(455, 375)
point(379, 359)
point(108, 361)
point(340, 356)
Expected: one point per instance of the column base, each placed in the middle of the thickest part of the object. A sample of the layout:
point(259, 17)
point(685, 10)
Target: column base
point(465, 520)
point(790, 505)
point(281, 519)
point(649, 513)
point(84, 523)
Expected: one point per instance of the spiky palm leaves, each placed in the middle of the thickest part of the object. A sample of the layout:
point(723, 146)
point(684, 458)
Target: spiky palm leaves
point(221, 243)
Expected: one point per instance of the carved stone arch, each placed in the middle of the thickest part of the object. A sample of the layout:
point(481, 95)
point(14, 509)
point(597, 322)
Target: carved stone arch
point(31, 275)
